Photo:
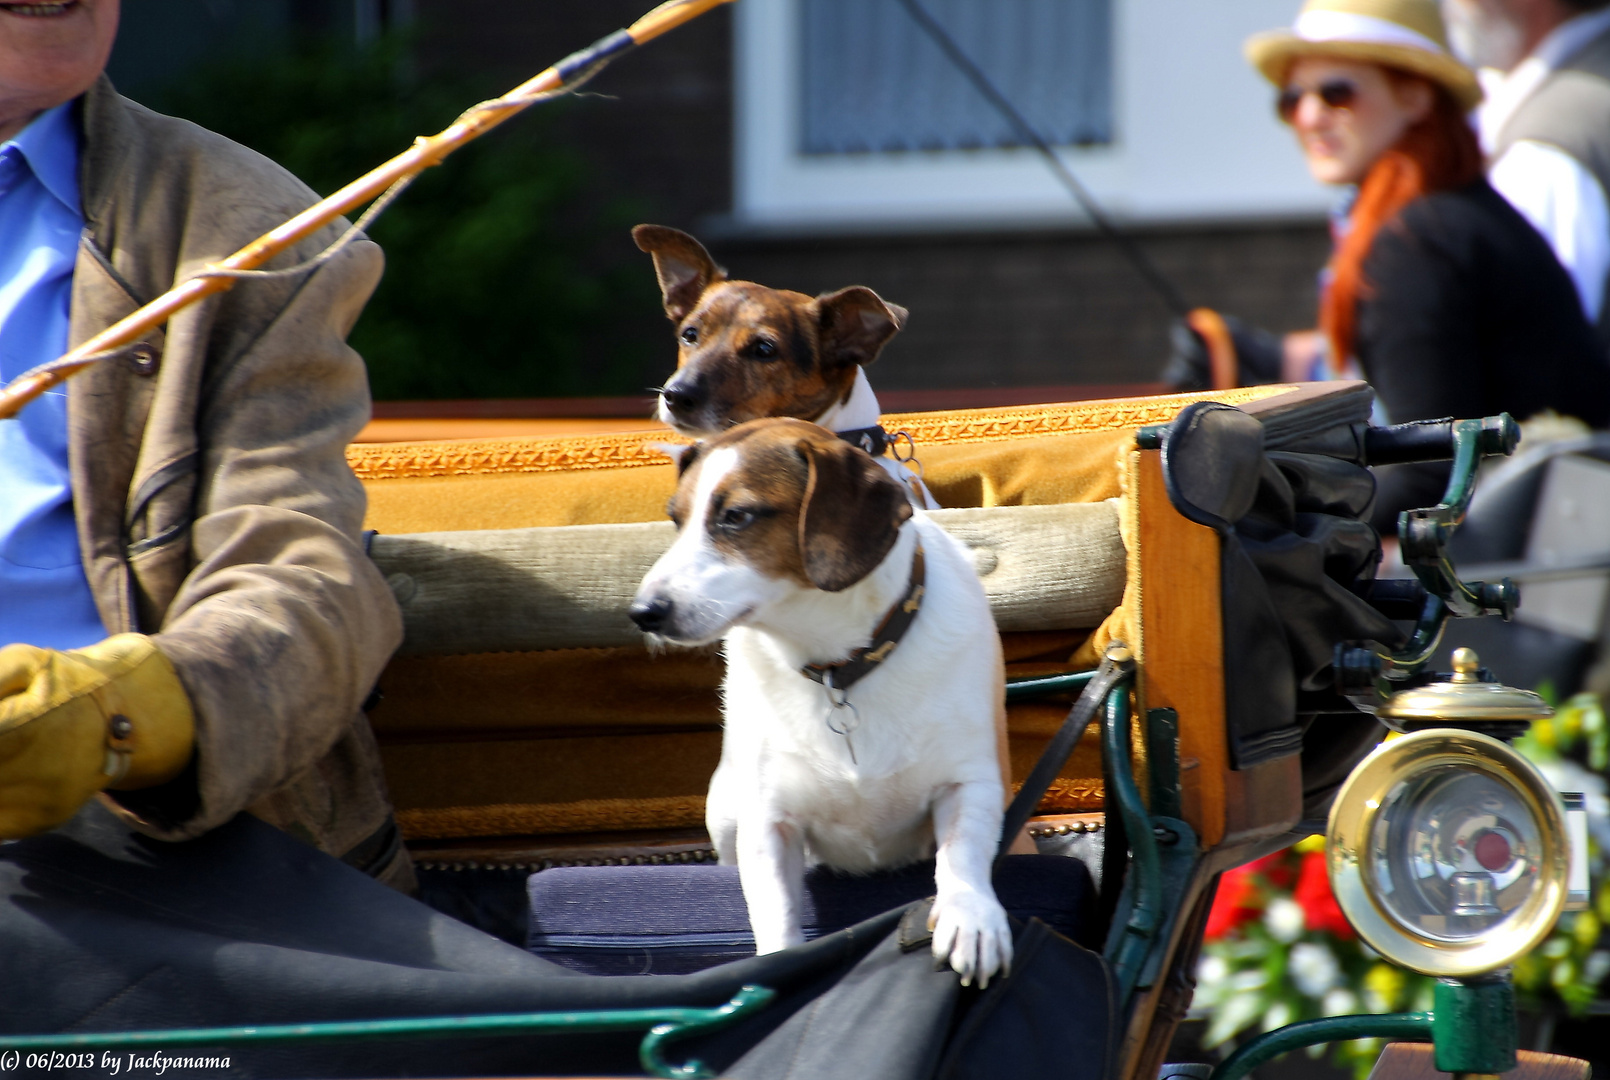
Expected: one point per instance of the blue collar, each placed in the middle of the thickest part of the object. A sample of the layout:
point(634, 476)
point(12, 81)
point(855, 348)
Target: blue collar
point(50, 147)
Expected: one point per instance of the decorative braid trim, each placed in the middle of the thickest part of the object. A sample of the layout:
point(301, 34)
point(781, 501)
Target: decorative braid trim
point(1072, 418)
point(534, 819)
point(1066, 796)
point(637, 449)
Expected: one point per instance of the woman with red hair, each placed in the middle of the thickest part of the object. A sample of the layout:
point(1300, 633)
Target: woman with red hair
point(1438, 292)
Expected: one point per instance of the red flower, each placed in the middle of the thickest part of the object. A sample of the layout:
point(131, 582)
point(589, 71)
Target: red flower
point(1317, 901)
point(1240, 896)
point(1276, 869)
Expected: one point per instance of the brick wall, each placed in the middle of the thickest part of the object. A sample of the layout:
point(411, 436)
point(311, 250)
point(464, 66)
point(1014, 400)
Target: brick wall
point(1039, 309)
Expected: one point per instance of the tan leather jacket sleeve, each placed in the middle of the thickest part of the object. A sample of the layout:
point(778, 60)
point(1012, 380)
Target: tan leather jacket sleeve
point(281, 627)
point(216, 510)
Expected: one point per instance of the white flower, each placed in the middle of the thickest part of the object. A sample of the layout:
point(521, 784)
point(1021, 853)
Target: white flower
point(1245, 981)
point(1339, 1002)
point(1212, 971)
point(1278, 1016)
point(1284, 919)
point(1237, 1012)
point(1313, 968)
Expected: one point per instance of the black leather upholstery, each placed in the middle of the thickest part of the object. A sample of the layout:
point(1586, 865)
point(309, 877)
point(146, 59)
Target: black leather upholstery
point(1298, 557)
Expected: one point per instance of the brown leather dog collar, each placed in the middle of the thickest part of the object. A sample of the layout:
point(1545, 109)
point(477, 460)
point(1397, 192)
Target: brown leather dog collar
point(896, 621)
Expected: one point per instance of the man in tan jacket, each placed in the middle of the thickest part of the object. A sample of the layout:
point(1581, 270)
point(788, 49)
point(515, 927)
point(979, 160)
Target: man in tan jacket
point(217, 523)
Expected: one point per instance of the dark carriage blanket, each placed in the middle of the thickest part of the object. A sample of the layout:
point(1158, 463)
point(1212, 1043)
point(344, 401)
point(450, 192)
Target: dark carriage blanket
point(105, 930)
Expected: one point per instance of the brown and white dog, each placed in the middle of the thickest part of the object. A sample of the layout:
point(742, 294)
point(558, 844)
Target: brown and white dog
point(746, 351)
point(839, 747)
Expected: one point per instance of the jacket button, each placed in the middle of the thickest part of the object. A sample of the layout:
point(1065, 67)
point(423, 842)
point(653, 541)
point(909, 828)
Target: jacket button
point(122, 726)
point(143, 359)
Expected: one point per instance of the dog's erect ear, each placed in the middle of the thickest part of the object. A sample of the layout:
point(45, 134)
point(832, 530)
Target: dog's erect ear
point(850, 517)
point(684, 268)
point(855, 324)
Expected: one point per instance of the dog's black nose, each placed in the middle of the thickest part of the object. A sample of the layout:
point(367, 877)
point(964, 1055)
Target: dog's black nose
point(650, 615)
point(682, 397)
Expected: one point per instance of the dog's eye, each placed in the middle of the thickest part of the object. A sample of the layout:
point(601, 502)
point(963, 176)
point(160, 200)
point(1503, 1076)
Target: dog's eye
point(761, 349)
point(690, 334)
point(735, 518)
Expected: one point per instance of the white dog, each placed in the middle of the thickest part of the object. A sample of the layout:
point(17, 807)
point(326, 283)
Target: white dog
point(802, 553)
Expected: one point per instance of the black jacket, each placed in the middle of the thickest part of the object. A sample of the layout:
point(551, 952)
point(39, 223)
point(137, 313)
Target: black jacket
point(1466, 312)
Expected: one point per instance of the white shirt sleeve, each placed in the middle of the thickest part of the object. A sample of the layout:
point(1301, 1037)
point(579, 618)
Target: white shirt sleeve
point(1565, 203)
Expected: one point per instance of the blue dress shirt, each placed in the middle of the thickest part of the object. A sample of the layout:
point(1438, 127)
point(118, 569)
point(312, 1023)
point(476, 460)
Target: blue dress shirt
point(45, 598)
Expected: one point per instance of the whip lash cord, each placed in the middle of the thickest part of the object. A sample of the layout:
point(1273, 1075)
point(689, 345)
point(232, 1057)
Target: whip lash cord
point(1165, 290)
point(379, 187)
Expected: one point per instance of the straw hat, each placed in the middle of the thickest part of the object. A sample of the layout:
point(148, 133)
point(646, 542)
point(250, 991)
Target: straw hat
point(1404, 34)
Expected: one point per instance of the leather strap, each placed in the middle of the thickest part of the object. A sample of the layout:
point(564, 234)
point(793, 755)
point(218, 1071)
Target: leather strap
point(1112, 671)
point(376, 851)
point(896, 621)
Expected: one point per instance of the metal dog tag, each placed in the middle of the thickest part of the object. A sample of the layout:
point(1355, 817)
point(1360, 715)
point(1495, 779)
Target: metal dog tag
point(845, 712)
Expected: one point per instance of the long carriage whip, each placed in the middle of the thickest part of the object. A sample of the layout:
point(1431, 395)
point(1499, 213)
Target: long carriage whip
point(380, 186)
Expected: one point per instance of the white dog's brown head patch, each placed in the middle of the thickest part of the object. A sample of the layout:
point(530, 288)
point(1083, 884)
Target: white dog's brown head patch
point(746, 351)
point(769, 508)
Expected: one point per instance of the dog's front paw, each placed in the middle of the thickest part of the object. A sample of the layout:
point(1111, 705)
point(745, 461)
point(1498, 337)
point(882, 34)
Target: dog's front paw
point(971, 934)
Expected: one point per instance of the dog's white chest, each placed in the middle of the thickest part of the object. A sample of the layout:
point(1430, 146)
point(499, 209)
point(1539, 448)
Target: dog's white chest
point(850, 819)
point(918, 729)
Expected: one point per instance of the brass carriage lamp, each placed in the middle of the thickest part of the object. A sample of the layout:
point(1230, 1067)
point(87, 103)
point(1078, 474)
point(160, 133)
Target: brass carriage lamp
point(1451, 855)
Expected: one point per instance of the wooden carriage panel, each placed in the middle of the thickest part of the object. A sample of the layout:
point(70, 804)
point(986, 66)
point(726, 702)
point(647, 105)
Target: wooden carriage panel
point(1181, 642)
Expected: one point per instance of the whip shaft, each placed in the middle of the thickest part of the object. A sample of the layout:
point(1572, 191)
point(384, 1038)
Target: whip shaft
point(425, 152)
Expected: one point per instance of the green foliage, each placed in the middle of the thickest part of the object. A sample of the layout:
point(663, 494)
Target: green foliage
point(487, 290)
point(1577, 729)
point(1570, 964)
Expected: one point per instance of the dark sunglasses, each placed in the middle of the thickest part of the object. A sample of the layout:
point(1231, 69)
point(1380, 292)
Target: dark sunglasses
point(1335, 93)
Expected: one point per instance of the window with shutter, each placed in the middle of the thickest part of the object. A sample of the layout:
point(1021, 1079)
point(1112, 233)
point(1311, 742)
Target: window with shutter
point(873, 81)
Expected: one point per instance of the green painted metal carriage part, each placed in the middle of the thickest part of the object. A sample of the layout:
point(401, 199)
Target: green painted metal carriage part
point(1409, 1026)
point(665, 1025)
point(1475, 1030)
point(1129, 944)
point(1423, 535)
point(1045, 686)
point(1471, 1027)
point(1160, 871)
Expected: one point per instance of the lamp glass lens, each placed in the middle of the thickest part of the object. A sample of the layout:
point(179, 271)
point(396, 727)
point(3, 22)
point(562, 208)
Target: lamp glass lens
point(1454, 852)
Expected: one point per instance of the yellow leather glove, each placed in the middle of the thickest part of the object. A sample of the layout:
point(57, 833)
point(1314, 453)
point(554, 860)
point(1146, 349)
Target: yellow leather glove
point(113, 715)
